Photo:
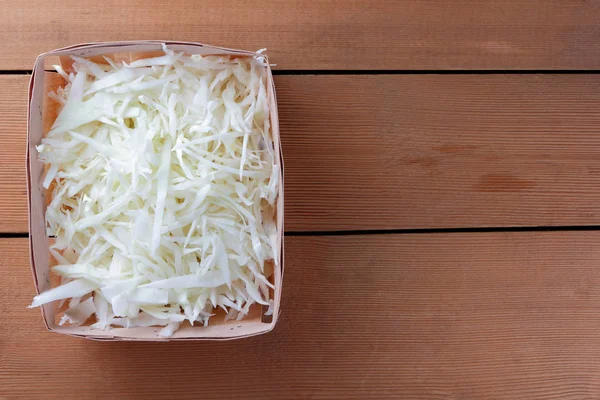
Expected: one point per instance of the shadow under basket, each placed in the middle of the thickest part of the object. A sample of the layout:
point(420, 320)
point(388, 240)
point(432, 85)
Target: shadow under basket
point(41, 114)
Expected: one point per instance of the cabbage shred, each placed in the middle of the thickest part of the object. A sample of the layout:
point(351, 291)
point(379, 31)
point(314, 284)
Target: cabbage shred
point(163, 180)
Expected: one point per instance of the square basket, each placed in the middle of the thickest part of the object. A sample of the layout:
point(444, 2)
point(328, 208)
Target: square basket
point(41, 114)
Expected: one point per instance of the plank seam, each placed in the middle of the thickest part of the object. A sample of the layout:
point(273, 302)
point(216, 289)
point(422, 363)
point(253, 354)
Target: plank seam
point(10, 235)
point(420, 231)
point(417, 231)
point(434, 72)
point(391, 72)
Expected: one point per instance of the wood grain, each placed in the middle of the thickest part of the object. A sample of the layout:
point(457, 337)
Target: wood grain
point(408, 151)
point(330, 34)
point(13, 136)
point(442, 316)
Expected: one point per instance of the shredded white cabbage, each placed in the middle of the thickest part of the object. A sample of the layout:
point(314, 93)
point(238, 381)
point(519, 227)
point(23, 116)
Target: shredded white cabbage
point(163, 183)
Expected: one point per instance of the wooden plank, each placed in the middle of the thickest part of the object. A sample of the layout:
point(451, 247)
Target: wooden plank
point(331, 34)
point(13, 135)
point(441, 316)
point(408, 151)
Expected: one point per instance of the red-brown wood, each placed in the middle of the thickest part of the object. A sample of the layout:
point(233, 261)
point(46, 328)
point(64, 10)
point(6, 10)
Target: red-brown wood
point(325, 34)
point(490, 315)
point(408, 151)
point(441, 316)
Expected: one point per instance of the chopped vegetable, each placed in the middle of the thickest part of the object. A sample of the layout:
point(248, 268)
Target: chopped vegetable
point(163, 179)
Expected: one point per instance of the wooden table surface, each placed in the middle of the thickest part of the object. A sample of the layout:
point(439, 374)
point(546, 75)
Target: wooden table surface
point(442, 203)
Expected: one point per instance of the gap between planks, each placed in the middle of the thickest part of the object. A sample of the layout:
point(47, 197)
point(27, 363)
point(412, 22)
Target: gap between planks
point(392, 72)
point(582, 228)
